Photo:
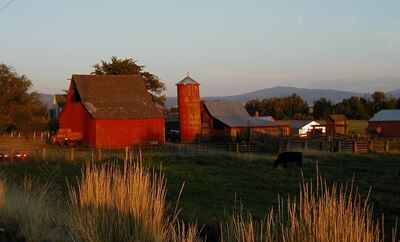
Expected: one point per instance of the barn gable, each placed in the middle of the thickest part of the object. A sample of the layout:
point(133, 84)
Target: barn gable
point(115, 97)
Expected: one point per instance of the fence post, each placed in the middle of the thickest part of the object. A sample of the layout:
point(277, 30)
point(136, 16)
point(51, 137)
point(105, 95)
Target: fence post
point(288, 145)
point(72, 155)
point(44, 154)
point(99, 154)
point(237, 148)
point(140, 155)
point(339, 146)
point(371, 145)
point(305, 144)
point(387, 146)
point(355, 148)
point(92, 155)
point(126, 153)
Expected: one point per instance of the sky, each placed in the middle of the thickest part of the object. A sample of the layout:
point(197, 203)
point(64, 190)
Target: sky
point(229, 46)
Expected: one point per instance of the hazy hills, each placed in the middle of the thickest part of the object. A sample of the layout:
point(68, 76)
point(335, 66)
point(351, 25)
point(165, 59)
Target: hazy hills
point(395, 93)
point(310, 95)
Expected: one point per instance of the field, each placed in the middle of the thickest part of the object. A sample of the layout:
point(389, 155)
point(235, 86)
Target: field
point(216, 183)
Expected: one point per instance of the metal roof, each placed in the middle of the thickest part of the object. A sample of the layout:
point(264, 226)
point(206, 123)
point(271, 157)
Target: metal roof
point(233, 114)
point(298, 124)
point(386, 115)
point(267, 118)
point(115, 96)
point(338, 117)
point(188, 80)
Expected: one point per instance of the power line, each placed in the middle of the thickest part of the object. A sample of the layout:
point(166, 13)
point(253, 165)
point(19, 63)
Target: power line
point(5, 6)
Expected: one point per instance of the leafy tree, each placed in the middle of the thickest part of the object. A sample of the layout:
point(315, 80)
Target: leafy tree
point(390, 103)
point(354, 108)
point(291, 107)
point(19, 108)
point(119, 66)
point(398, 103)
point(322, 108)
point(253, 106)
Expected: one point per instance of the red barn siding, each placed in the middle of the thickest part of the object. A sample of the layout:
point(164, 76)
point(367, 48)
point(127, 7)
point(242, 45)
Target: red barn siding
point(119, 133)
point(387, 129)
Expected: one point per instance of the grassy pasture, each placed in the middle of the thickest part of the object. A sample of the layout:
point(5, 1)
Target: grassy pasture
point(217, 182)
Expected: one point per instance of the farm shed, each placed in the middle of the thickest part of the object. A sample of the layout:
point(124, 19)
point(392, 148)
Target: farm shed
point(337, 124)
point(304, 128)
point(230, 119)
point(385, 123)
point(112, 111)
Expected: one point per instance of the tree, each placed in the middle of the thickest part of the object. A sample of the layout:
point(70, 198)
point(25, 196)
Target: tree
point(120, 66)
point(291, 107)
point(253, 106)
point(322, 109)
point(398, 103)
point(354, 108)
point(19, 108)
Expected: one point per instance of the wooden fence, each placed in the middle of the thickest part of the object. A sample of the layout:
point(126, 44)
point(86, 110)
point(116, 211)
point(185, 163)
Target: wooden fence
point(349, 145)
point(37, 146)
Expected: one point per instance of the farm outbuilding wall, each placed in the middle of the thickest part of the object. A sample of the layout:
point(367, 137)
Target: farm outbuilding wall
point(384, 129)
point(337, 125)
point(119, 133)
point(385, 123)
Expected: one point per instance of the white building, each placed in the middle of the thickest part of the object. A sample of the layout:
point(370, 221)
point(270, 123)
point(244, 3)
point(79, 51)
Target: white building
point(304, 128)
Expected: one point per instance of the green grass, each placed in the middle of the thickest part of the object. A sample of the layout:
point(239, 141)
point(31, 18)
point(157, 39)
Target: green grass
point(217, 182)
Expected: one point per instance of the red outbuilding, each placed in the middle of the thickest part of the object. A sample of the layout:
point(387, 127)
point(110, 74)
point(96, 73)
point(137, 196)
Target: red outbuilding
point(385, 124)
point(112, 111)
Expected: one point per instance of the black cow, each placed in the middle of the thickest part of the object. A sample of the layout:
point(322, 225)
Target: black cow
point(210, 233)
point(289, 157)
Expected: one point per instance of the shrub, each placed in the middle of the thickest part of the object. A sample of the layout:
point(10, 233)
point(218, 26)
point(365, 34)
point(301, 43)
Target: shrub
point(114, 203)
point(29, 208)
point(323, 213)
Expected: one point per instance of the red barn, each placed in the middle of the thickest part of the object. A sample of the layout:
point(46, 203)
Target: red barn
point(385, 124)
point(112, 111)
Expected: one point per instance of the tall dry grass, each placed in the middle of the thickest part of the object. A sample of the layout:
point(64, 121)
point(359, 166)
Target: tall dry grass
point(113, 203)
point(322, 213)
point(29, 207)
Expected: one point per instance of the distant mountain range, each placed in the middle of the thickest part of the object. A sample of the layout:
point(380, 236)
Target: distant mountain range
point(310, 95)
point(395, 93)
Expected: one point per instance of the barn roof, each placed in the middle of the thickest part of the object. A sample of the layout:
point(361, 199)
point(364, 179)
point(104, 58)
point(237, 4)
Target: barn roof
point(233, 114)
point(337, 117)
point(115, 96)
point(389, 115)
point(298, 124)
point(267, 118)
point(188, 80)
